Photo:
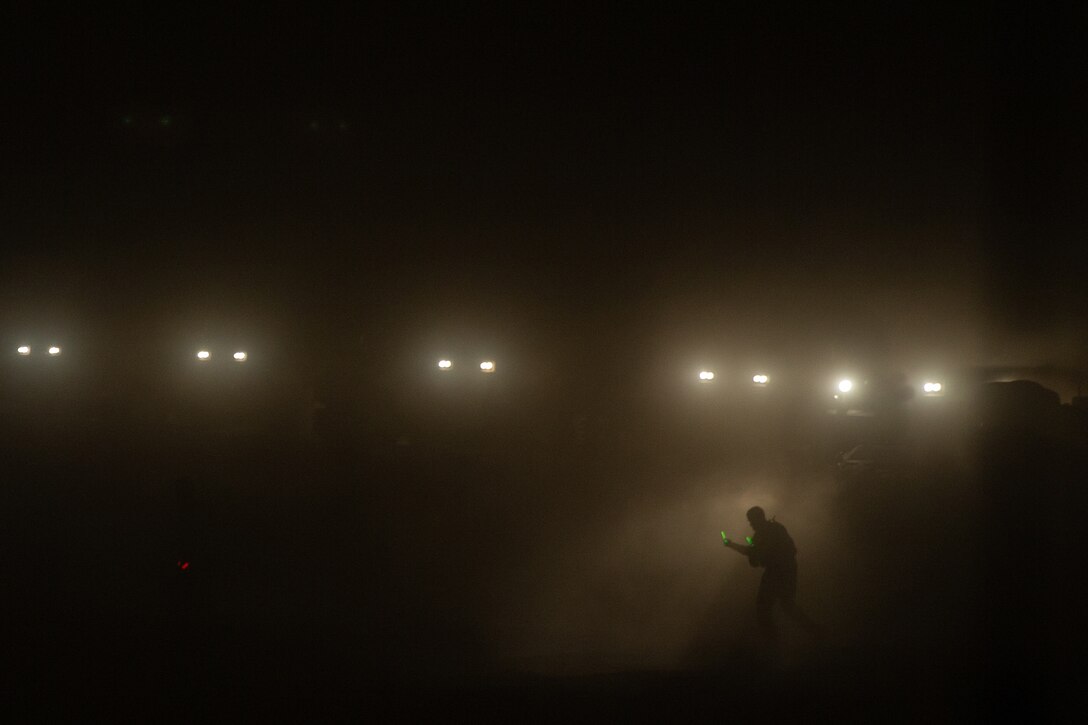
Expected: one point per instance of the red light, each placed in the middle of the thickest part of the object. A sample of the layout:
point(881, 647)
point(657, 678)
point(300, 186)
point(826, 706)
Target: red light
point(183, 565)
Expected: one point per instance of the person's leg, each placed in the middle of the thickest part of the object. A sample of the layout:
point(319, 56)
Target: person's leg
point(765, 609)
point(789, 606)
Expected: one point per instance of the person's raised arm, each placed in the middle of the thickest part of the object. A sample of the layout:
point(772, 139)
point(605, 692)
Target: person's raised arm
point(738, 547)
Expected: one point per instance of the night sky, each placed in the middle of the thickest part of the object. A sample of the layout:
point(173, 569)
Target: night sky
point(895, 182)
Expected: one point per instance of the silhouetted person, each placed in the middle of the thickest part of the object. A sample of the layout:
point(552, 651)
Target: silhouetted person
point(772, 548)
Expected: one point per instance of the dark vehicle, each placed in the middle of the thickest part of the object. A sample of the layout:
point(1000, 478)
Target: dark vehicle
point(1016, 405)
point(872, 463)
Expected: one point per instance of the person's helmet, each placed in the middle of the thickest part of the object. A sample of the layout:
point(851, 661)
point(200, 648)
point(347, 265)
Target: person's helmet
point(755, 514)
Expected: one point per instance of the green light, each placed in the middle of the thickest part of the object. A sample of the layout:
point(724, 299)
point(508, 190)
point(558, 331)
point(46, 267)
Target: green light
point(724, 540)
point(165, 120)
point(748, 539)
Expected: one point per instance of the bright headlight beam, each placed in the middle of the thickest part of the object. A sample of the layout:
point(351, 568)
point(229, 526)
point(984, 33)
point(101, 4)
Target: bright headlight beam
point(487, 366)
point(54, 350)
point(24, 350)
point(445, 364)
point(240, 356)
point(845, 386)
point(706, 375)
point(203, 355)
point(931, 387)
point(760, 379)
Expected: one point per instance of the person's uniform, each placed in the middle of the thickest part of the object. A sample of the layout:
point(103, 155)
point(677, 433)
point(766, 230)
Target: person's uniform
point(773, 549)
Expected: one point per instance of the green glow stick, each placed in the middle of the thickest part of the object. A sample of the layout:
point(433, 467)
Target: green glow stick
point(748, 539)
point(724, 540)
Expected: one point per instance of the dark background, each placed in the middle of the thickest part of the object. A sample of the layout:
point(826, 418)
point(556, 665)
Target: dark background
point(873, 175)
point(602, 198)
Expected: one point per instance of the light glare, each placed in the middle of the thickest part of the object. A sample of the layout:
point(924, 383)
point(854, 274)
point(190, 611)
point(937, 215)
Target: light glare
point(24, 349)
point(932, 387)
point(54, 350)
point(487, 366)
point(240, 356)
point(760, 379)
point(845, 386)
point(203, 355)
point(445, 364)
point(706, 375)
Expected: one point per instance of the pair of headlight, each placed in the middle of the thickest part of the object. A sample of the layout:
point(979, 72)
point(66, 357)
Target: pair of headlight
point(205, 355)
point(25, 350)
point(707, 375)
point(487, 366)
point(846, 385)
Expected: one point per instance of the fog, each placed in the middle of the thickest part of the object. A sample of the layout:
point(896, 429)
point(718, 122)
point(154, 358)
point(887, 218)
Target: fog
point(605, 205)
point(452, 532)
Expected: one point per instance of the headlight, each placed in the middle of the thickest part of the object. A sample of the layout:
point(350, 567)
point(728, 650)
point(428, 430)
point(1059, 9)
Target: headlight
point(487, 366)
point(845, 386)
point(240, 356)
point(445, 364)
point(203, 355)
point(760, 379)
point(54, 350)
point(24, 350)
point(706, 375)
point(931, 387)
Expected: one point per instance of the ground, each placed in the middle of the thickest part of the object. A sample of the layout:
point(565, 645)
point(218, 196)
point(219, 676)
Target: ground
point(521, 575)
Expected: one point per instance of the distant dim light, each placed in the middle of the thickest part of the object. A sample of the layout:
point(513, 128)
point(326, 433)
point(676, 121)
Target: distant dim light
point(445, 364)
point(706, 375)
point(54, 350)
point(203, 355)
point(24, 349)
point(240, 356)
point(845, 386)
point(760, 379)
point(487, 366)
